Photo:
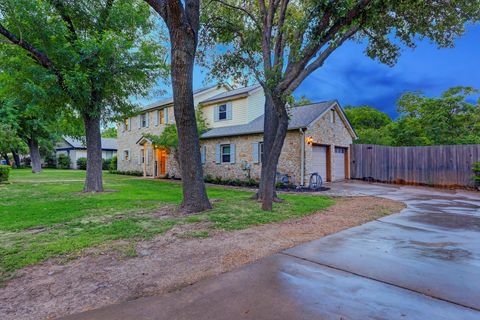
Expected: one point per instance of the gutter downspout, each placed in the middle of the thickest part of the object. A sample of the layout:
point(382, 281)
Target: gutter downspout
point(302, 158)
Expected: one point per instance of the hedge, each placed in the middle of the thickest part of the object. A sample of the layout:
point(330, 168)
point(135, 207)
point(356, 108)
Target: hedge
point(113, 164)
point(4, 173)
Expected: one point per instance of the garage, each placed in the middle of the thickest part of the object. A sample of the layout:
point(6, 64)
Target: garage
point(340, 163)
point(319, 161)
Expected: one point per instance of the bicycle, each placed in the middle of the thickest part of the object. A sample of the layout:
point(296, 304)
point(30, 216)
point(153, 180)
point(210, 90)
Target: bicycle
point(315, 181)
point(283, 178)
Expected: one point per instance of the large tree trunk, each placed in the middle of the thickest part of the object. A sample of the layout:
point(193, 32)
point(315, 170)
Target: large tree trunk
point(93, 181)
point(270, 128)
point(274, 135)
point(183, 54)
point(36, 161)
point(16, 158)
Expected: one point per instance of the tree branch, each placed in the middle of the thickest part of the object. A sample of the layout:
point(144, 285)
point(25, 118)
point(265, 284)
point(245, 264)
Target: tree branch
point(248, 13)
point(318, 62)
point(60, 7)
point(40, 57)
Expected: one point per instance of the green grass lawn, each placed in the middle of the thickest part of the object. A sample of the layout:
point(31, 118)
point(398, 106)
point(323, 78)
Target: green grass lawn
point(45, 215)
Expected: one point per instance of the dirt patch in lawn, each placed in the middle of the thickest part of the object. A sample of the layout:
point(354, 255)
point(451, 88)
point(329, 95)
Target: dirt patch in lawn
point(184, 255)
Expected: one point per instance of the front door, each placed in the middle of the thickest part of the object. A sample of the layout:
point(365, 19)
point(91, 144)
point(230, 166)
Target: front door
point(161, 162)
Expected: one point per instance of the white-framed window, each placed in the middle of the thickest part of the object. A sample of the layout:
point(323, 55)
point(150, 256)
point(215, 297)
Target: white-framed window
point(126, 155)
point(144, 120)
point(332, 116)
point(225, 152)
point(222, 112)
point(142, 156)
point(126, 124)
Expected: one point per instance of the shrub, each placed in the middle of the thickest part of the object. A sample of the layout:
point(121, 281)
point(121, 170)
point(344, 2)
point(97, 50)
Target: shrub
point(128, 173)
point(63, 161)
point(113, 164)
point(50, 161)
point(82, 163)
point(4, 173)
point(476, 173)
point(106, 164)
point(231, 182)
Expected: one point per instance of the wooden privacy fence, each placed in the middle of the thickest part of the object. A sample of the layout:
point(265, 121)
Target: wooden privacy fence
point(445, 166)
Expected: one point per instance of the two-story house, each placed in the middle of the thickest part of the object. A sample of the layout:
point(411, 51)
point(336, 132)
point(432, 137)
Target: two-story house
point(318, 139)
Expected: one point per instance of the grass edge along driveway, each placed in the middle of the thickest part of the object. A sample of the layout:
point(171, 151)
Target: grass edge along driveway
point(45, 215)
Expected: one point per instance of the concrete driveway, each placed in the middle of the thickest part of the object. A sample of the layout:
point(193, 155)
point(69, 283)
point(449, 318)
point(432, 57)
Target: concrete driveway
point(423, 263)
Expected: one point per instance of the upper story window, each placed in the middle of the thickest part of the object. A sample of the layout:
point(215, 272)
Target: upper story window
point(126, 155)
point(223, 112)
point(144, 120)
point(332, 116)
point(126, 124)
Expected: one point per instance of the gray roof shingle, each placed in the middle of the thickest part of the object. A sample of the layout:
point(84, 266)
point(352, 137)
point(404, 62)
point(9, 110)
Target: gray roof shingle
point(300, 117)
point(231, 93)
point(107, 143)
point(167, 101)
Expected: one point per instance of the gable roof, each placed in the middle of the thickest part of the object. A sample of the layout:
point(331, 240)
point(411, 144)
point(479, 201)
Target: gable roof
point(244, 91)
point(168, 101)
point(300, 117)
point(107, 143)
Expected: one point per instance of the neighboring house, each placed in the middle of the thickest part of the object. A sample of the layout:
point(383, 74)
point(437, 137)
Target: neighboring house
point(318, 140)
point(75, 149)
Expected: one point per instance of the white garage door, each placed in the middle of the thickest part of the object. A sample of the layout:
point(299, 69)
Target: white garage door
point(319, 161)
point(339, 160)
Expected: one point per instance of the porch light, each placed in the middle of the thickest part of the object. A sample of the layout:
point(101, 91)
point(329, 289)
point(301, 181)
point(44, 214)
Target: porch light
point(310, 140)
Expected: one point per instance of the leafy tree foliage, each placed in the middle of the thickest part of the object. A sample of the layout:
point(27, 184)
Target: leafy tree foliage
point(371, 125)
point(95, 55)
point(281, 42)
point(110, 132)
point(168, 139)
point(452, 118)
point(10, 143)
point(448, 119)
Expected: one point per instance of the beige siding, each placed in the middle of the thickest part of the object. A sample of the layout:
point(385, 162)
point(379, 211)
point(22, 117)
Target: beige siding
point(239, 114)
point(256, 104)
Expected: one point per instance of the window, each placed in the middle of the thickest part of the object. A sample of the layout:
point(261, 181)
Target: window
point(126, 155)
point(260, 151)
point(222, 112)
point(125, 124)
point(108, 154)
point(142, 156)
point(143, 120)
point(161, 116)
point(332, 116)
point(225, 153)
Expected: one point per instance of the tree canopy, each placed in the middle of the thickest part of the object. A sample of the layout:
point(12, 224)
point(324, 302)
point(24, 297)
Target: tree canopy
point(94, 54)
point(452, 118)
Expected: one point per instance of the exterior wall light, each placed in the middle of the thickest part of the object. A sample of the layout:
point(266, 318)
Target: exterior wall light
point(310, 140)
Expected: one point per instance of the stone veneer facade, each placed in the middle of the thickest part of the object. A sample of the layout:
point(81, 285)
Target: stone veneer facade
point(289, 162)
point(322, 132)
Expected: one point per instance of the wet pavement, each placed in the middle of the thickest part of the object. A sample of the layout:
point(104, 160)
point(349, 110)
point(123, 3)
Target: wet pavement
point(423, 263)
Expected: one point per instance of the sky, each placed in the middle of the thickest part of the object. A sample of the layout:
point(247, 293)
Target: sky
point(354, 79)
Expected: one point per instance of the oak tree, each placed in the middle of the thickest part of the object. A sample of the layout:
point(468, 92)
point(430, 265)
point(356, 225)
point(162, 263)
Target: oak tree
point(281, 42)
point(99, 53)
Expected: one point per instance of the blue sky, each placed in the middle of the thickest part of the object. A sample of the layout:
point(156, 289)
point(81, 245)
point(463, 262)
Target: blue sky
point(354, 79)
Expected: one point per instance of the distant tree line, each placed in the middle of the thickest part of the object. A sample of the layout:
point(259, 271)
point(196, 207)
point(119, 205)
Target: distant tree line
point(452, 118)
